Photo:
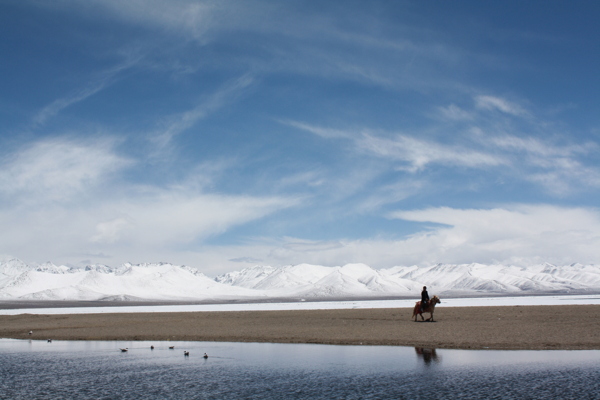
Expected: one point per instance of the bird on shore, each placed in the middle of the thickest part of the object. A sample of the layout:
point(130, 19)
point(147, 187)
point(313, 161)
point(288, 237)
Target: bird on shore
point(186, 353)
point(171, 347)
point(49, 340)
point(31, 332)
point(151, 347)
point(205, 355)
point(125, 349)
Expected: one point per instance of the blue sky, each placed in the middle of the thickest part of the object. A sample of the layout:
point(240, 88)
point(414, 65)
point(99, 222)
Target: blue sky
point(223, 134)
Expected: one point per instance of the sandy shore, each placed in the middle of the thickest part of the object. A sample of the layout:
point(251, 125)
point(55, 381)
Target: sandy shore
point(510, 327)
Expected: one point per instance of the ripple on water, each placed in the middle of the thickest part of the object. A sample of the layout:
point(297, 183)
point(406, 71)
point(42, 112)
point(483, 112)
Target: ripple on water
point(98, 370)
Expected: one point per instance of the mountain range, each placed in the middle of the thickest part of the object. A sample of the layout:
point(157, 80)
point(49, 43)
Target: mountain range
point(168, 282)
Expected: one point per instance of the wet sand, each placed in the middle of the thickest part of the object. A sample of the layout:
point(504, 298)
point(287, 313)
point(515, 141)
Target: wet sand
point(568, 327)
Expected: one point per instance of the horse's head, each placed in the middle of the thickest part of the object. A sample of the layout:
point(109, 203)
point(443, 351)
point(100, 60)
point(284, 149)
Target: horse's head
point(435, 300)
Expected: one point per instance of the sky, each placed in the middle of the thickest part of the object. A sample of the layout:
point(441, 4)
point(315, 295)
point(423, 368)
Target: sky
point(226, 134)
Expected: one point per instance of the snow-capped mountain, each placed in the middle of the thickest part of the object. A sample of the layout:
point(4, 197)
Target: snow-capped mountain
point(161, 281)
point(315, 281)
point(359, 280)
point(164, 281)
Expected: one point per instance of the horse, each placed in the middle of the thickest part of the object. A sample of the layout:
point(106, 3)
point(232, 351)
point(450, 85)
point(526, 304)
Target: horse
point(428, 309)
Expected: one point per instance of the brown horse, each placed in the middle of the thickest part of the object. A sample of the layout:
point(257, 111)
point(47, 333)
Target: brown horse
point(428, 309)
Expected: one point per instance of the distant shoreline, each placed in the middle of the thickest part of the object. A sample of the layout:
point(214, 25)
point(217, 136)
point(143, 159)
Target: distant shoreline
point(39, 304)
point(10, 304)
point(564, 327)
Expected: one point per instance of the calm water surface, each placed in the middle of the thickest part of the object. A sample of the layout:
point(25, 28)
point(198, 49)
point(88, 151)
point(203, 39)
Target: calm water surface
point(99, 370)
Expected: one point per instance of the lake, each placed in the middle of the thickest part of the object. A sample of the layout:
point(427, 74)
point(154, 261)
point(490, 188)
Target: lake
point(99, 370)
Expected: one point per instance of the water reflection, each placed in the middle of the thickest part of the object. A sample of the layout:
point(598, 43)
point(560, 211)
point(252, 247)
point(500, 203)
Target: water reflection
point(93, 370)
point(427, 355)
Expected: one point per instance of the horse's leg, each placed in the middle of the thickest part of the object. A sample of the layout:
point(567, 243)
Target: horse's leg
point(417, 311)
point(430, 316)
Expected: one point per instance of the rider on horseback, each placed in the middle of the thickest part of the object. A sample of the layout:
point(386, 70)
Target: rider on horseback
point(424, 298)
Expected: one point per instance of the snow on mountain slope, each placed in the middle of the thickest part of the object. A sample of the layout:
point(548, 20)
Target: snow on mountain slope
point(359, 280)
point(248, 277)
point(305, 280)
point(164, 281)
point(503, 279)
point(293, 277)
point(13, 267)
point(146, 281)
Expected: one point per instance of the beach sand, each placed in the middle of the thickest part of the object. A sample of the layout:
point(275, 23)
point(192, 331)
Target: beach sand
point(568, 327)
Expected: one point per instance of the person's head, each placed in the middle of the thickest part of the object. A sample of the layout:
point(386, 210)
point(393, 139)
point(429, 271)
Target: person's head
point(424, 287)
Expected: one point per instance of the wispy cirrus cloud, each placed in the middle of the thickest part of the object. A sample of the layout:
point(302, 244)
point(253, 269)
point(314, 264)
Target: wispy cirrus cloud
point(419, 153)
point(390, 194)
point(537, 147)
point(176, 124)
point(532, 149)
point(299, 42)
point(455, 113)
point(496, 145)
point(326, 133)
point(413, 153)
point(493, 103)
point(557, 164)
point(102, 80)
point(566, 181)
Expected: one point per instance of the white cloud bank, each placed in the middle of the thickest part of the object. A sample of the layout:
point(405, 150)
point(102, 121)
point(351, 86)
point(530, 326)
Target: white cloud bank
point(64, 200)
point(527, 232)
point(57, 169)
point(517, 234)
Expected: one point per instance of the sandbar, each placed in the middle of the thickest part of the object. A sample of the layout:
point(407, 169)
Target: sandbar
point(565, 327)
